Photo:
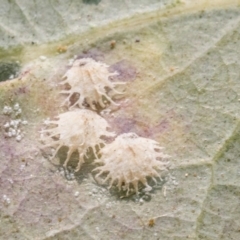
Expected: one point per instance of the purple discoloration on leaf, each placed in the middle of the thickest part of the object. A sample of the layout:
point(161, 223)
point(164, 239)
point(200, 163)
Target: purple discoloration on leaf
point(21, 90)
point(16, 170)
point(8, 148)
point(92, 53)
point(161, 127)
point(142, 126)
point(123, 125)
point(127, 72)
point(23, 195)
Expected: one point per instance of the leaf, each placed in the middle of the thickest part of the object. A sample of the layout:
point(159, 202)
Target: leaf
point(180, 61)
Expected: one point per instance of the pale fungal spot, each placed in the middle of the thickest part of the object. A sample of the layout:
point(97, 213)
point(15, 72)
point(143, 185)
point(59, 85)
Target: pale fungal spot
point(91, 80)
point(78, 130)
point(131, 159)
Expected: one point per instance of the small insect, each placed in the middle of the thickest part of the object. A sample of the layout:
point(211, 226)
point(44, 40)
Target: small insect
point(77, 130)
point(113, 44)
point(92, 81)
point(131, 159)
point(151, 222)
point(61, 49)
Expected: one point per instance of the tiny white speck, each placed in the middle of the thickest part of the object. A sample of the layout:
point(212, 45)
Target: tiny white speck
point(175, 183)
point(13, 131)
point(76, 194)
point(43, 58)
point(16, 106)
point(108, 205)
point(18, 112)
point(71, 175)
point(10, 180)
point(164, 191)
point(6, 199)
point(46, 122)
point(22, 167)
point(9, 134)
point(6, 125)
point(18, 138)
point(147, 189)
point(24, 122)
point(41, 136)
point(94, 191)
point(70, 62)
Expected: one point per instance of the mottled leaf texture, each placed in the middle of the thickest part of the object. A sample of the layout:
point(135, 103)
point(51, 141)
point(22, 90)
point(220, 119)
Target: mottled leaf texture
point(179, 61)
